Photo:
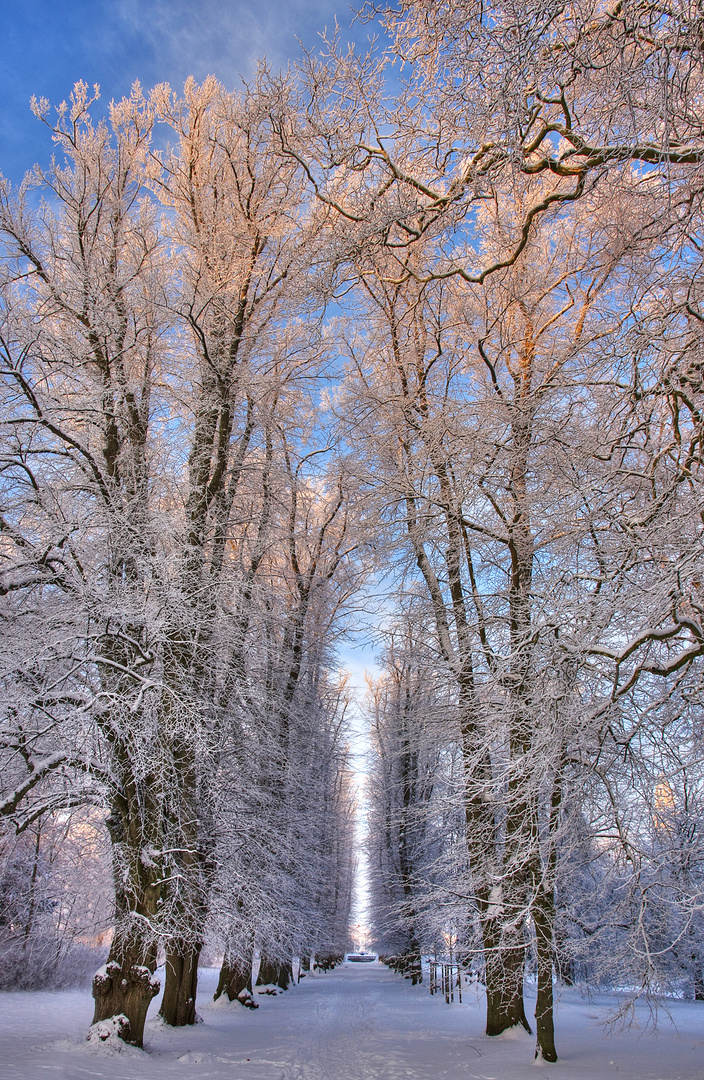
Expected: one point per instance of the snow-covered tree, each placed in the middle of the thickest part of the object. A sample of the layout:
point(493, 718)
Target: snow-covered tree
point(152, 332)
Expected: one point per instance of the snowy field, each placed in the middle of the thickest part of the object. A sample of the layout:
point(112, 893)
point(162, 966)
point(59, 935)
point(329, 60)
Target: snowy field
point(359, 1022)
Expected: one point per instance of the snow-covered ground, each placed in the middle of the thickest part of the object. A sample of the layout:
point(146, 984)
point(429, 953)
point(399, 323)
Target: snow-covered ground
point(359, 1022)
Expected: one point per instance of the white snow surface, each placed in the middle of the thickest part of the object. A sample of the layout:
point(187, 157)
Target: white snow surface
point(358, 1022)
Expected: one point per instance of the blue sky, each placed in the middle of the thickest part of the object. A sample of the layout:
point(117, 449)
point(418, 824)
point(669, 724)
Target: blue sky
point(47, 45)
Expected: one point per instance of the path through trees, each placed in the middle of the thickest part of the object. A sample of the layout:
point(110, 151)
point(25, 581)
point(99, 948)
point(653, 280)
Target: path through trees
point(349, 1024)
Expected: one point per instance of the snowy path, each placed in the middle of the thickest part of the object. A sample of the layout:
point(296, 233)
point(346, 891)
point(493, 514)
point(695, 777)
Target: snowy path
point(355, 1023)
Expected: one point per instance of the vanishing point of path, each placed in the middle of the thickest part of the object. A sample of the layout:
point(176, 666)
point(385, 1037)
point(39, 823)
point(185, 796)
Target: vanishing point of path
point(359, 1022)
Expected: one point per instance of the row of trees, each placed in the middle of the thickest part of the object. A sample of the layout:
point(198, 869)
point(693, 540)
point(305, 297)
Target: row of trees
point(528, 384)
point(176, 546)
point(512, 243)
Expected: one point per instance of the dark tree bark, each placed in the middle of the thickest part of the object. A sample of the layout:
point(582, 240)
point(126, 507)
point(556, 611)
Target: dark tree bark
point(504, 963)
point(268, 973)
point(126, 985)
point(273, 973)
point(698, 979)
point(178, 1006)
point(545, 1027)
point(125, 989)
point(235, 975)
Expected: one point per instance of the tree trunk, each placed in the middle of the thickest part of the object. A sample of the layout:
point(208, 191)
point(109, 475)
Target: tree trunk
point(192, 868)
point(272, 973)
point(503, 946)
point(562, 961)
point(234, 978)
point(409, 963)
point(125, 989)
point(504, 982)
point(544, 1017)
point(33, 888)
point(698, 979)
point(178, 1006)
point(268, 972)
point(414, 968)
point(126, 985)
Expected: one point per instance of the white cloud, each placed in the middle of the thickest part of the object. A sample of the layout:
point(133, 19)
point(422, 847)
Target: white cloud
point(225, 38)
